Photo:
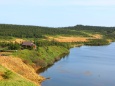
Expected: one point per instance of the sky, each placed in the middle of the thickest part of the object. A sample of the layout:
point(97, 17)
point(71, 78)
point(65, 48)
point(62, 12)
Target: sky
point(58, 13)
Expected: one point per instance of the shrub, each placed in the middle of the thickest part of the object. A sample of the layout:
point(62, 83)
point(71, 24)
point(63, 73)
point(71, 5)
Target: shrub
point(7, 74)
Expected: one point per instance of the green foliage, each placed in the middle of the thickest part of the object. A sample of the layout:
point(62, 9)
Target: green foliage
point(14, 46)
point(9, 46)
point(7, 74)
point(97, 42)
point(43, 56)
point(50, 54)
point(22, 31)
point(52, 43)
point(8, 38)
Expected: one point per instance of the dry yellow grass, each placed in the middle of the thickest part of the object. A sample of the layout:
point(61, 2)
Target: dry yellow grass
point(17, 65)
point(73, 39)
point(67, 39)
point(97, 36)
point(18, 40)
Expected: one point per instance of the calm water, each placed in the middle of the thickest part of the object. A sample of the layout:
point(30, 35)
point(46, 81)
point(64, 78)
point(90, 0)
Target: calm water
point(84, 66)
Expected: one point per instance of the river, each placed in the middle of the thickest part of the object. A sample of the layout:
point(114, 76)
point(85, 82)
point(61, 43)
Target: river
point(84, 66)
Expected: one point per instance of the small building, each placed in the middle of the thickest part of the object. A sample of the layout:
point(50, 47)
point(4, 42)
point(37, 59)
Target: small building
point(28, 45)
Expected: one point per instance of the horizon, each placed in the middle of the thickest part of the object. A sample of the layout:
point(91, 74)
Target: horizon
point(54, 27)
point(62, 13)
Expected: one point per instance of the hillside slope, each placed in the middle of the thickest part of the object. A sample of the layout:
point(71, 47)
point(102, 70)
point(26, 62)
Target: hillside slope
point(13, 79)
point(16, 65)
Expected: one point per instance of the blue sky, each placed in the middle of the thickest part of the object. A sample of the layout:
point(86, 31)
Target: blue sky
point(58, 13)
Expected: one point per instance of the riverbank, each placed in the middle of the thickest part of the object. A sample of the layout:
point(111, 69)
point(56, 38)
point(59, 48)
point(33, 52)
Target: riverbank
point(40, 58)
point(96, 42)
point(87, 65)
point(11, 78)
point(18, 69)
point(27, 62)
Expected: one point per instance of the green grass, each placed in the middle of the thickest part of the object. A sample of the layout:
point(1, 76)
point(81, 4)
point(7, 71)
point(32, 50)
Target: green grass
point(16, 83)
point(27, 55)
point(43, 56)
point(97, 42)
point(8, 38)
point(14, 80)
point(51, 53)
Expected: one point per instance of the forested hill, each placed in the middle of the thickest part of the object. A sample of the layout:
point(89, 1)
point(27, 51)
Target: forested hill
point(23, 31)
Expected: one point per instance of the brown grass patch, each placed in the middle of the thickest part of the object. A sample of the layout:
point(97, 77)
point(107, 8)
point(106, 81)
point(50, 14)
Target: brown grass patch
point(17, 65)
point(97, 36)
point(68, 39)
point(18, 40)
point(73, 39)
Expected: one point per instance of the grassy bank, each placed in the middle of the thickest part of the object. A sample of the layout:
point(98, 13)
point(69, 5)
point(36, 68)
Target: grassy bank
point(97, 42)
point(43, 56)
point(9, 78)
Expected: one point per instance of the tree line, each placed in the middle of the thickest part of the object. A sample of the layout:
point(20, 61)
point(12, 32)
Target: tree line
point(23, 31)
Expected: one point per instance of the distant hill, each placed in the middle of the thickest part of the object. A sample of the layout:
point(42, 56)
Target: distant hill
point(23, 31)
